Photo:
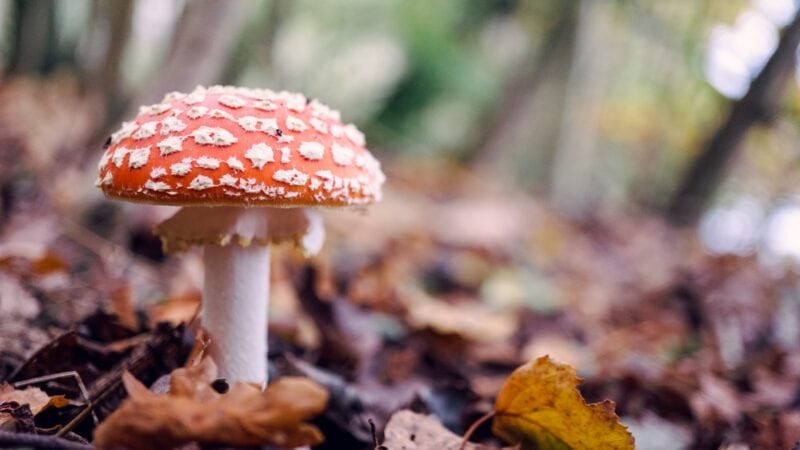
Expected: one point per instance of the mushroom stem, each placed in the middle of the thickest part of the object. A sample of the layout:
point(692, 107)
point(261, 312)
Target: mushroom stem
point(235, 301)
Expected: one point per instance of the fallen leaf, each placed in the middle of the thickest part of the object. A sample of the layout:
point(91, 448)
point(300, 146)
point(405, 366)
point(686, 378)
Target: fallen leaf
point(134, 387)
point(17, 418)
point(408, 430)
point(194, 412)
point(99, 365)
point(540, 407)
point(716, 400)
point(35, 399)
point(471, 320)
point(177, 309)
point(195, 381)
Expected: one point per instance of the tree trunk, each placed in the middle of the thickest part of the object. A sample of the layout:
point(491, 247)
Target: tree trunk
point(256, 42)
point(33, 45)
point(760, 104)
point(511, 111)
point(204, 37)
point(571, 177)
point(119, 14)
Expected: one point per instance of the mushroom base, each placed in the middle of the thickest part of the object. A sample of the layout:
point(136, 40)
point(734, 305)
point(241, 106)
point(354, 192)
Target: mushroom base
point(235, 302)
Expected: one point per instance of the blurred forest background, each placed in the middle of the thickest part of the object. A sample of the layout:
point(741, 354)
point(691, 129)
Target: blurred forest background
point(592, 104)
point(612, 182)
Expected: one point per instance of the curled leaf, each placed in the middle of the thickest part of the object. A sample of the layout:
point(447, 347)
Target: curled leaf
point(195, 381)
point(540, 407)
point(194, 412)
point(22, 404)
point(474, 321)
point(36, 398)
point(134, 387)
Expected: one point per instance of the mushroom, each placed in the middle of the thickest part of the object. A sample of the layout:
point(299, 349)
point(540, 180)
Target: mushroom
point(249, 167)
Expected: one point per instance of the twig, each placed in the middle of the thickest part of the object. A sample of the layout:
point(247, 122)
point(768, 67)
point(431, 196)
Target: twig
point(89, 409)
point(55, 376)
point(473, 427)
point(146, 361)
point(376, 445)
point(10, 439)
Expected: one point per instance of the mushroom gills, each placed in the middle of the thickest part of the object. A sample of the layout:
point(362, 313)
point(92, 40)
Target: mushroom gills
point(224, 225)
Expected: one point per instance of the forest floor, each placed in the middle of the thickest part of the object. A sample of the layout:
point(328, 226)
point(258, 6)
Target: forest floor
point(423, 305)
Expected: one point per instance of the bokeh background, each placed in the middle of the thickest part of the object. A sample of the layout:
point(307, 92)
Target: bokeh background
point(612, 182)
point(589, 104)
point(597, 104)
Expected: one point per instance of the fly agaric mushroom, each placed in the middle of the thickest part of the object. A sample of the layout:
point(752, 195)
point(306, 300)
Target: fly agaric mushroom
point(248, 166)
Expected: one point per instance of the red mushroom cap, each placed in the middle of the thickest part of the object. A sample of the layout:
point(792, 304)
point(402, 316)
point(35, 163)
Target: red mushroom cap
point(226, 145)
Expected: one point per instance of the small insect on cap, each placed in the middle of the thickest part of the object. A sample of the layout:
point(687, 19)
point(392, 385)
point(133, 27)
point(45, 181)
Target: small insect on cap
point(226, 145)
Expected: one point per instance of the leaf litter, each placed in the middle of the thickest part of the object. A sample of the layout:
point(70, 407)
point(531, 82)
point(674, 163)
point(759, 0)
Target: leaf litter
point(428, 303)
point(192, 411)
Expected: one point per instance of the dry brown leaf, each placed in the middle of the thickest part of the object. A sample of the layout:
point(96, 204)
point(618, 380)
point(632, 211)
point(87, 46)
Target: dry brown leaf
point(408, 430)
point(177, 309)
point(540, 407)
point(194, 412)
point(34, 397)
point(134, 387)
point(715, 401)
point(472, 320)
point(195, 381)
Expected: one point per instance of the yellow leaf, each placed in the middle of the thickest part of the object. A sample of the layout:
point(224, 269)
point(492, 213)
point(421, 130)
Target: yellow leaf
point(540, 407)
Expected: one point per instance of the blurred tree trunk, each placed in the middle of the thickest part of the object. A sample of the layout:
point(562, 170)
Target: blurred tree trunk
point(543, 64)
point(571, 180)
point(118, 15)
point(33, 44)
point(100, 58)
point(759, 105)
point(256, 41)
point(201, 46)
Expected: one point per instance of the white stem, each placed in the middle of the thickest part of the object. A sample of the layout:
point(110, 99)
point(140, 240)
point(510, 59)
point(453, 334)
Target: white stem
point(235, 300)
